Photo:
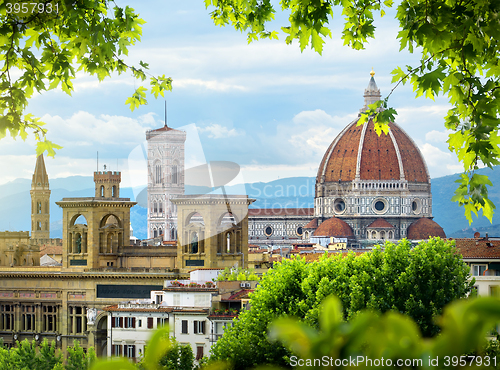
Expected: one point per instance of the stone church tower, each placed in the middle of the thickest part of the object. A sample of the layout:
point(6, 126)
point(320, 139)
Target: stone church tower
point(96, 228)
point(40, 203)
point(165, 179)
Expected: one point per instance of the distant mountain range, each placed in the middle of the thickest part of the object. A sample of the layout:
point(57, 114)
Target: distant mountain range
point(294, 192)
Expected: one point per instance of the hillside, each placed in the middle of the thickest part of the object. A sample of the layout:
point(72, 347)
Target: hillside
point(294, 192)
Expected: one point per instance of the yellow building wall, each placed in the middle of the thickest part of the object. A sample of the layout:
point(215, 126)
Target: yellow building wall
point(51, 286)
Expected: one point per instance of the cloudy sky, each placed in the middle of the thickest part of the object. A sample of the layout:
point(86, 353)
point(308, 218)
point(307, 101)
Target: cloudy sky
point(266, 106)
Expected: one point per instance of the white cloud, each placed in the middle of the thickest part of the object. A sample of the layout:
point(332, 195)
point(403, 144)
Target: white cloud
point(437, 136)
point(209, 85)
point(217, 131)
point(440, 163)
point(311, 132)
point(85, 129)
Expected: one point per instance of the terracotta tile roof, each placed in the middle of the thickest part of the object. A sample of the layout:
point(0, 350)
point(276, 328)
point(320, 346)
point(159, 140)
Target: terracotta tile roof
point(257, 251)
point(423, 228)
point(334, 227)
point(114, 308)
point(478, 248)
point(280, 212)
point(50, 249)
point(164, 128)
point(312, 257)
point(379, 157)
point(188, 310)
point(228, 317)
point(313, 224)
point(380, 223)
point(242, 294)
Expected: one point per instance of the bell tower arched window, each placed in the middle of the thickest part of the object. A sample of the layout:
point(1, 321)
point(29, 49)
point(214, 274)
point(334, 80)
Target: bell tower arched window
point(157, 174)
point(174, 174)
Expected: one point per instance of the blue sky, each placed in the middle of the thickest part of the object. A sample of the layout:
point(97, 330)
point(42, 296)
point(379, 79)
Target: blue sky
point(266, 106)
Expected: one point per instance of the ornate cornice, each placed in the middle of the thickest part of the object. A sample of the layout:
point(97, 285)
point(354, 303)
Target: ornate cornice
point(95, 202)
point(86, 275)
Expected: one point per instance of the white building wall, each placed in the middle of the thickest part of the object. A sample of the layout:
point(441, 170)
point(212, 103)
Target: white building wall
point(137, 335)
point(195, 340)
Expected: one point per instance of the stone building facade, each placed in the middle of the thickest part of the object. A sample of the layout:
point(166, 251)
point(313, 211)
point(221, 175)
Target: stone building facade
point(65, 303)
point(213, 231)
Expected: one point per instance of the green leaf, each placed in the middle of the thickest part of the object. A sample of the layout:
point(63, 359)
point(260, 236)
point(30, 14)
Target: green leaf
point(158, 345)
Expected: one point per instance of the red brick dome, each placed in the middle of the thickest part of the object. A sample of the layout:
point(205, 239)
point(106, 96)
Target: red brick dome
point(334, 227)
point(359, 150)
point(424, 228)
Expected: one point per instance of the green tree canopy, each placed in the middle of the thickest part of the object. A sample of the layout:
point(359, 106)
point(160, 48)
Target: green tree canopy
point(417, 282)
point(458, 43)
point(44, 43)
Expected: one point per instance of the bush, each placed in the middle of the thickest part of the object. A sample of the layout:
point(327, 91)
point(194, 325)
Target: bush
point(418, 282)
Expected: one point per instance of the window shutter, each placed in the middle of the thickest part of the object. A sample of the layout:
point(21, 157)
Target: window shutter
point(184, 327)
point(199, 353)
point(150, 323)
point(203, 327)
point(195, 327)
point(121, 322)
point(133, 323)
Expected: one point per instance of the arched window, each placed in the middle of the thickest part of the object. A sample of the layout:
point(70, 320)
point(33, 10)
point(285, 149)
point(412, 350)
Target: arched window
point(157, 174)
point(160, 207)
point(155, 233)
point(113, 193)
point(174, 174)
point(173, 234)
point(382, 235)
point(102, 191)
point(39, 207)
point(155, 207)
point(160, 232)
point(374, 235)
point(39, 225)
